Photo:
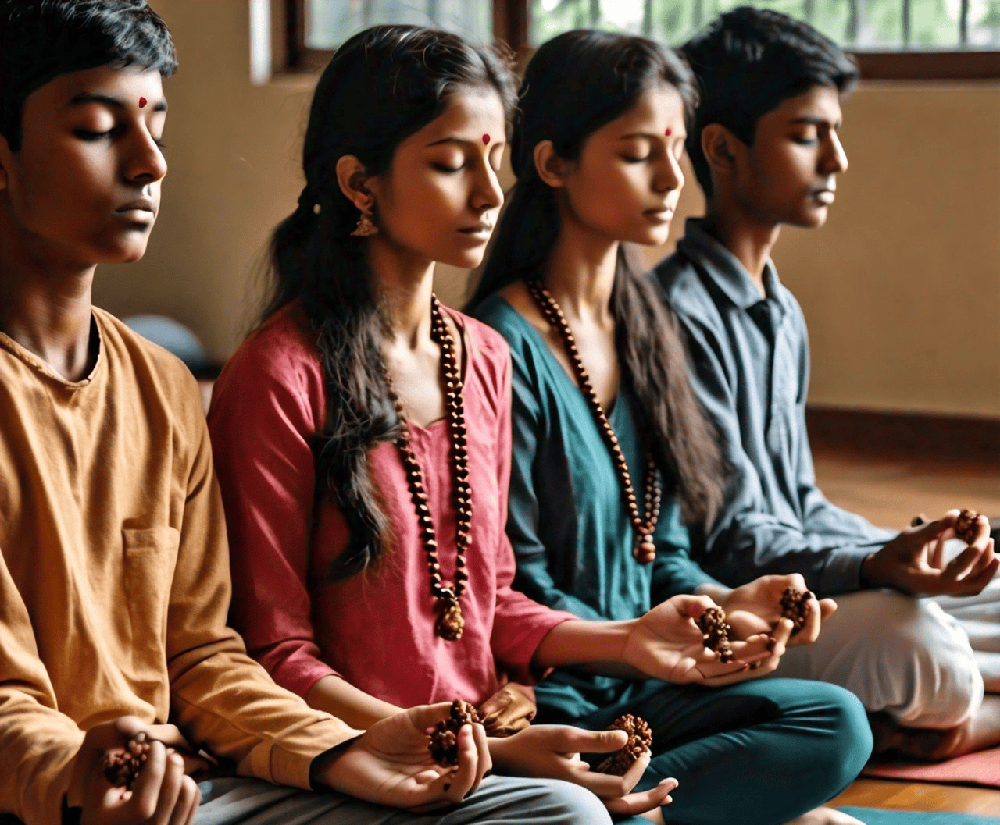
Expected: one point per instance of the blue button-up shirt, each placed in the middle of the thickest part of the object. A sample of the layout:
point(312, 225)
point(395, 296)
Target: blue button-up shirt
point(750, 367)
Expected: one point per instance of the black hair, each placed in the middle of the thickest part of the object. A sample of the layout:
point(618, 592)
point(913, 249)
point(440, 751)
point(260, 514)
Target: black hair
point(747, 61)
point(574, 84)
point(382, 85)
point(42, 39)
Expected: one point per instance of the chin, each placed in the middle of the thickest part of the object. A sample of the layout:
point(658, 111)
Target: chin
point(465, 260)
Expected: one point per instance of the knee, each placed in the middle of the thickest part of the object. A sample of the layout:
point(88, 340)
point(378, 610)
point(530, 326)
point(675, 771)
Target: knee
point(563, 803)
point(908, 658)
point(937, 680)
point(848, 744)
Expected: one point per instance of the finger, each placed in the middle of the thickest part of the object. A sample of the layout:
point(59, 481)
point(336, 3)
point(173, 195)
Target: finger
point(983, 560)
point(464, 777)
point(423, 717)
point(827, 607)
point(186, 802)
point(484, 761)
point(960, 565)
point(195, 804)
point(809, 631)
point(636, 804)
point(146, 791)
point(169, 735)
point(973, 585)
point(170, 790)
point(692, 607)
point(566, 739)
point(632, 776)
point(936, 560)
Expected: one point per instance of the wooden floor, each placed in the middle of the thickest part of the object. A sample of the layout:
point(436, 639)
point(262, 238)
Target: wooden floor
point(889, 486)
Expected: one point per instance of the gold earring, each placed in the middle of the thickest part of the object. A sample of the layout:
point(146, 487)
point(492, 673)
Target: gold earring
point(366, 227)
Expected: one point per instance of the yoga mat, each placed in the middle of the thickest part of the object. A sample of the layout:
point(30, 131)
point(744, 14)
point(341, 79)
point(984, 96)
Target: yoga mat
point(876, 816)
point(982, 768)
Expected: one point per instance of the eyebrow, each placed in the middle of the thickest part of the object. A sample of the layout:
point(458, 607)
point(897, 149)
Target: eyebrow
point(814, 120)
point(650, 135)
point(85, 98)
point(464, 141)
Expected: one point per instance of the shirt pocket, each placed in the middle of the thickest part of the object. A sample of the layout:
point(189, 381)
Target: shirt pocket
point(150, 555)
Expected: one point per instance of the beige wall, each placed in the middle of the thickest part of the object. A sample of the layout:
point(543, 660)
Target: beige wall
point(901, 289)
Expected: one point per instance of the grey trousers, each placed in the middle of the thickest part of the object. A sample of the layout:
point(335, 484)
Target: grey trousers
point(498, 800)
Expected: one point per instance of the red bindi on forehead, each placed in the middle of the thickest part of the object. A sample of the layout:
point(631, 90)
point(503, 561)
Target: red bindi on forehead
point(142, 102)
point(668, 132)
point(486, 139)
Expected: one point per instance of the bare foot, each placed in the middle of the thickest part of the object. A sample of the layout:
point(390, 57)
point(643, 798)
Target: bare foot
point(825, 816)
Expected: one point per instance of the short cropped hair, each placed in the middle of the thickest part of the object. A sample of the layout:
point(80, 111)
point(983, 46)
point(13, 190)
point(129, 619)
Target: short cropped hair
point(42, 39)
point(747, 61)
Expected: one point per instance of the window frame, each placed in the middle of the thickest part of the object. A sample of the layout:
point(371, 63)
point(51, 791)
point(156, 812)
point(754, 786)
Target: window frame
point(511, 26)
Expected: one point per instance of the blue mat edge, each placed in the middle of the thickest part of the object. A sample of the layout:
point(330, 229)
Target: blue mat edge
point(884, 816)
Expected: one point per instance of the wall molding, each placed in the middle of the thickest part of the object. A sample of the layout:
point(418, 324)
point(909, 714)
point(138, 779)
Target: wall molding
point(904, 433)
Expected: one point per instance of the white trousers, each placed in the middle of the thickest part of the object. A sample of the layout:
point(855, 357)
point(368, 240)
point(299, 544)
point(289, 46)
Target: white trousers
point(901, 655)
point(979, 617)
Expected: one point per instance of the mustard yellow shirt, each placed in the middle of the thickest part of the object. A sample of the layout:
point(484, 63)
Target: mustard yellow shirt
point(114, 578)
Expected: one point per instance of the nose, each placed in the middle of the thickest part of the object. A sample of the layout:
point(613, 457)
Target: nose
point(668, 175)
point(145, 162)
point(834, 158)
point(487, 193)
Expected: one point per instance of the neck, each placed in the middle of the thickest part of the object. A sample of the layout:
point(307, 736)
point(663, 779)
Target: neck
point(749, 240)
point(404, 287)
point(48, 313)
point(580, 274)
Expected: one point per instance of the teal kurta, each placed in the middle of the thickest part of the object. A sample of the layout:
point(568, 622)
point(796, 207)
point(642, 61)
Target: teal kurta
point(729, 747)
point(565, 494)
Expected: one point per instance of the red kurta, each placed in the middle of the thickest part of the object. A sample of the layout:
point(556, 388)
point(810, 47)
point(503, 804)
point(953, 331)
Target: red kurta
point(376, 629)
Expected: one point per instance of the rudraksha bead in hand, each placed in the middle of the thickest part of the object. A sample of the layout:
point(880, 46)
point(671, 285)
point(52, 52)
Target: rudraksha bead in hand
point(444, 738)
point(716, 630)
point(640, 739)
point(795, 605)
point(121, 767)
point(967, 526)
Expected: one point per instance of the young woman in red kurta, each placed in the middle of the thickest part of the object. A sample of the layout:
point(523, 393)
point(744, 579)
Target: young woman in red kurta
point(362, 432)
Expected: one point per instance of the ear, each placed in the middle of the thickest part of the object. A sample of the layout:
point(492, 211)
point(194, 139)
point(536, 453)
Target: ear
point(352, 177)
point(720, 147)
point(550, 167)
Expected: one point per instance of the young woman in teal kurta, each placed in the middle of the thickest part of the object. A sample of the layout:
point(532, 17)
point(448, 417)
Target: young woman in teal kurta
point(596, 155)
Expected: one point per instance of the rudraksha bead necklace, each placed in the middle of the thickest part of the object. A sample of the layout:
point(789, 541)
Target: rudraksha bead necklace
point(449, 623)
point(644, 550)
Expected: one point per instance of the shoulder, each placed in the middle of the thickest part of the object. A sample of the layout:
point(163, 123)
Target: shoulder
point(685, 292)
point(277, 365)
point(488, 351)
point(155, 371)
point(507, 313)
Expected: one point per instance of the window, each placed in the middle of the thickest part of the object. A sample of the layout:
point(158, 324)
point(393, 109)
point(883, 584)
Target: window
point(317, 27)
point(892, 39)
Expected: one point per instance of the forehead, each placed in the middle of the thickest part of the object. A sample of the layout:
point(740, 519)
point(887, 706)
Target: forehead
point(816, 104)
point(657, 107)
point(468, 113)
point(124, 84)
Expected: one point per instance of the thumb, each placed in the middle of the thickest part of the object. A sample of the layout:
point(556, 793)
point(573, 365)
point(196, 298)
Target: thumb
point(423, 717)
point(595, 741)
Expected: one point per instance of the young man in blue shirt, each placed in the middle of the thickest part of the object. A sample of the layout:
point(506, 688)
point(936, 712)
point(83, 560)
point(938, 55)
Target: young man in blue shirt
point(766, 151)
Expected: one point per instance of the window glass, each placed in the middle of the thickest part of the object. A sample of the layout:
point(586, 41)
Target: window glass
point(860, 25)
point(329, 23)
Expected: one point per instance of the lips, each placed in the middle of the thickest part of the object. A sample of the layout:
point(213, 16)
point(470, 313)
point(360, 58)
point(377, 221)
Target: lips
point(141, 209)
point(824, 196)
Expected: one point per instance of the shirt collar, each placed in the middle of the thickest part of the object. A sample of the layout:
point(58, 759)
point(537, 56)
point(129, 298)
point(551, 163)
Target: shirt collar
point(726, 270)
